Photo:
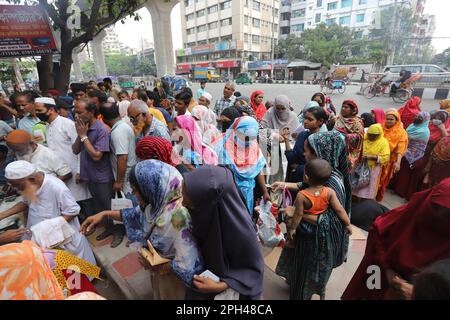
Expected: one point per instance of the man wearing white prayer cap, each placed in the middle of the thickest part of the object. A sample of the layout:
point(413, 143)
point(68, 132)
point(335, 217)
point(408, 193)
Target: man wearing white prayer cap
point(205, 99)
point(46, 197)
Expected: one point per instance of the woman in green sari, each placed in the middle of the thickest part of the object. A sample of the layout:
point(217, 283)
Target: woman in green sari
point(322, 247)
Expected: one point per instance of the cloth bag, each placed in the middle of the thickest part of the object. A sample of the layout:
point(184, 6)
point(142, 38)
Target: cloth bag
point(269, 231)
point(119, 203)
point(361, 176)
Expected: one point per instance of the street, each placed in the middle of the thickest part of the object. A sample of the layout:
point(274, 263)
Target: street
point(300, 94)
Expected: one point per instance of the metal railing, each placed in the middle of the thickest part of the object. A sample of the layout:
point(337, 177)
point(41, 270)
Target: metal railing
point(427, 81)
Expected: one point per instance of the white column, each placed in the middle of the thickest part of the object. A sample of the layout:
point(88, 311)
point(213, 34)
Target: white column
point(99, 56)
point(77, 67)
point(162, 35)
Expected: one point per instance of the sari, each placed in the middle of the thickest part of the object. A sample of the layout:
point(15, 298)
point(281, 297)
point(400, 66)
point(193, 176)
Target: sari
point(259, 110)
point(196, 152)
point(379, 148)
point(404, 240)
point(353, 129)
point(379, 115)
point(445, 105)
point(409, 111)
point(440, 161)
point(206, 120)
point(243, 157)
point(164, 221)
point(418, 136)
point(310, 263)
point(398, 144)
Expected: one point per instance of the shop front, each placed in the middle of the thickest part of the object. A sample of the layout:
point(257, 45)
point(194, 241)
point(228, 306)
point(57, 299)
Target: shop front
point(259, 69)
point(183, 68)
point(234, 66)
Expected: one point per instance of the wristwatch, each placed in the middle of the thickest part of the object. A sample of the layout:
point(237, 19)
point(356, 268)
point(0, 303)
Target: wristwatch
point(84, 139)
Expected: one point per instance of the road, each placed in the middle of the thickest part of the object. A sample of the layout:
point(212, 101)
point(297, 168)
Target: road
point(300, 94)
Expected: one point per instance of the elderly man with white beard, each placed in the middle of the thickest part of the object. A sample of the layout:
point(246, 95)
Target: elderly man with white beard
point(46, 197)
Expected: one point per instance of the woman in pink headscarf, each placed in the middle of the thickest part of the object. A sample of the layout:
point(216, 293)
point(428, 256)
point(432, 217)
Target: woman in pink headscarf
point(189, 143)
point(379, 115)
point(207, 122)
point(409, 111)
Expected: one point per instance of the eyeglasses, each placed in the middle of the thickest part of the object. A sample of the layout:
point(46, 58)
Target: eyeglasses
point(134, 119)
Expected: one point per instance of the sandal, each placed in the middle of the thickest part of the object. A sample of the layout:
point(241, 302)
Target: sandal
point(118, 238)
point(105, 234)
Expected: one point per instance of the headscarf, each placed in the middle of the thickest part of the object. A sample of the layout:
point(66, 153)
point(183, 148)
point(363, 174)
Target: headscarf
point(404, 240)
point(353, 129)
point(322, 96)
point(329, 105)
point(379, 147)
point(441, 152)
point(164, 221)
point(308, 105)
point(259, 110)
point(197, 147)
point(368, 119)
point(435, 132)
point(396, 135)
point(409, 111)
point(445, 105)
point(244, 158)
point(224, 230)
point(206, 120)
point(276, 120)
point(418, 136)
point(155, 148)
point(380, 116)
point(25, 274)
point(231, 113)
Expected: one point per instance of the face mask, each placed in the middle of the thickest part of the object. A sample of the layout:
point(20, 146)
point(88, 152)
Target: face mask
point(436, 122)
point(43, 117)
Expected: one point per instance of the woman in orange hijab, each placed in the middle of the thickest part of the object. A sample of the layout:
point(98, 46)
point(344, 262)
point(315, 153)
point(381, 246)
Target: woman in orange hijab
point(397, 137)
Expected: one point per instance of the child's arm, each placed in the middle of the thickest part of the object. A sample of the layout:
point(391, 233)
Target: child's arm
point(298, 214)
point(340, 211)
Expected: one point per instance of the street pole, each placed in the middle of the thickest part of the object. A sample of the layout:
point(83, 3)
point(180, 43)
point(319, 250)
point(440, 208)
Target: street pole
point(229, 56)
point(272, 41)
point(391, 56)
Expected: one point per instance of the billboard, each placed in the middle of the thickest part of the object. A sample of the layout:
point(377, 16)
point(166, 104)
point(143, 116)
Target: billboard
point(25, 31)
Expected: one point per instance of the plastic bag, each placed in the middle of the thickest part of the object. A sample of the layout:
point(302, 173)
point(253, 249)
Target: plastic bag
point(269, 231)
point(361, 177)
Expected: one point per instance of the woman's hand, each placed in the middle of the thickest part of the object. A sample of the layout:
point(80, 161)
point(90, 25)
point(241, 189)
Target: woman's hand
point(267, 197)
point(403, 287)
point(279, 185)
point(91, 222)
point(426, 179)
point(206, 285)
point(396, 167)
point(288, 211)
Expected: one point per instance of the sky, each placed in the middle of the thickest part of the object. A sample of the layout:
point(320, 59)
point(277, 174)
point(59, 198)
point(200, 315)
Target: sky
point(130, 36)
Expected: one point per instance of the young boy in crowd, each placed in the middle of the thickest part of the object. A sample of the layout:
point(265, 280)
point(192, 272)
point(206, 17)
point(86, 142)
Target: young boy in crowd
point(316, 199)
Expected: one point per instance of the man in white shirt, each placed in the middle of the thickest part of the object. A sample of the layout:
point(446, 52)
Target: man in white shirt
point(46, 160)
point(61, 134)
point(46, 197)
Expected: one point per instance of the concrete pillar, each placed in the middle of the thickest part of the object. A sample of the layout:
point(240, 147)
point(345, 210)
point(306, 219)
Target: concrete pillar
point(162, 35)
point(99, 56)
point(77, 67)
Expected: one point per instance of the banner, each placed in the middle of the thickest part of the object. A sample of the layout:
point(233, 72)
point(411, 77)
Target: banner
point(25, 31)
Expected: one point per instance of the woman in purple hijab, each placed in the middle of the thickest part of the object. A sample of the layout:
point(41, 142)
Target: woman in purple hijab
point(225, 234)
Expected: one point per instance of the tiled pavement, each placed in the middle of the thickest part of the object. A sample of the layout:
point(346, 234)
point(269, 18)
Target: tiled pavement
point(127, 279)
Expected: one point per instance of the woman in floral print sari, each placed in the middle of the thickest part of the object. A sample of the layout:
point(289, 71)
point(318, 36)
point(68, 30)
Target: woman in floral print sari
point(160, 217)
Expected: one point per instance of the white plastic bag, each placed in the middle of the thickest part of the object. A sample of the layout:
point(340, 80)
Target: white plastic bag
point(269, 232)
point(118, 204)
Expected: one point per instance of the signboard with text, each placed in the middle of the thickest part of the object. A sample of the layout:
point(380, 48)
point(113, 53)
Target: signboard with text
point(25, 31)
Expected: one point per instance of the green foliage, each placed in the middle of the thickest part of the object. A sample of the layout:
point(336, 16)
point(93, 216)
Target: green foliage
point(442, 59)
point(7, 70)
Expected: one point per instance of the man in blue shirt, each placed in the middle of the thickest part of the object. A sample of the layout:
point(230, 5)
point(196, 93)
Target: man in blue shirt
point(26, 102)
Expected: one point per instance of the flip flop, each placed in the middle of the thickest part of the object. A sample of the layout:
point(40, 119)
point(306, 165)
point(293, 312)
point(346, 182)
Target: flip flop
point(105, 234)
point(118, 238)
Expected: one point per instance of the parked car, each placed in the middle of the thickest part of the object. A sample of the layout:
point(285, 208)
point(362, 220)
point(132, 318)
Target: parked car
point(243, 78)
point(430, 73)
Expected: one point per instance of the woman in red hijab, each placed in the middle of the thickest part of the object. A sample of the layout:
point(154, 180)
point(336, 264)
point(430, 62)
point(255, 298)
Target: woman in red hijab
point(409, 111)
point(258, 107)
point(379, 115)
point(401, 243)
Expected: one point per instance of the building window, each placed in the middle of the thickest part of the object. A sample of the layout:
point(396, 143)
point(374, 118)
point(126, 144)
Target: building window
point(190, 44)
point(329, 22)
point(332, 6)
point(255, 39)
point(360, 18)
point(246, 3)
point(246, 20)
point(189, 3)
point(358, 34)
point(345, 21)
point(298, 27)
point(213, 9)
point(212, 25)
point(226, 38)
point(300, 13)
point(225, 22)
point(190, 17)
point(190, 31)
point(256, 22)
point(214, 40)
point(319, 3)
point(225, 5)
point(347, 3)
point(246, 37)
point(202, 42)
point(201, 13)
point(318, 17)
point(285, 16)
point(362, 2)
point(256, 5)
point(285, 30)
point(201, 28)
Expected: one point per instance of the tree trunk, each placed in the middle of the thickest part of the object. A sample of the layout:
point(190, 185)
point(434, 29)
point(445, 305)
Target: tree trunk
point(45, 71)
point(62, 77)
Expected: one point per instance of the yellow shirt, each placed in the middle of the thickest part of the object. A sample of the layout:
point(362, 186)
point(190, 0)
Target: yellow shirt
point(157, 114)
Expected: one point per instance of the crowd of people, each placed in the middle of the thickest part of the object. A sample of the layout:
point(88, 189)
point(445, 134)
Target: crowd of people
point(194, 168)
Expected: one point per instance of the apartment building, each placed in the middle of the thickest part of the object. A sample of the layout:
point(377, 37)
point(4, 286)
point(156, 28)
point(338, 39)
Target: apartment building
point(227, 34)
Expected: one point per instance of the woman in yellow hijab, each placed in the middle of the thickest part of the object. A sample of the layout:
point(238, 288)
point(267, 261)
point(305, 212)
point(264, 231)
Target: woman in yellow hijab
point(397, 137)
point(445, 105)
point(376, 152)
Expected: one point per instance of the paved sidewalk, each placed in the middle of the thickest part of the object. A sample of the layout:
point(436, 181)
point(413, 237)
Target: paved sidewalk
point(127, 279)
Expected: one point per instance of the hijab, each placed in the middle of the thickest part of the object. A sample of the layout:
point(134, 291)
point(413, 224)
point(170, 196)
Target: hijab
point(322, 96)
point(206, 120)
point(396, 134)
point(279, 120)
point(353, 124)
point(409, 111)
point(163, 221)
point(380, 116)
point(158, 148)
point(259, 110)
point(379, 147)
point(224, 230)
point(445, 105)
point(231, 113)
point(197, 147)
point(435, 132)
point(418, 136)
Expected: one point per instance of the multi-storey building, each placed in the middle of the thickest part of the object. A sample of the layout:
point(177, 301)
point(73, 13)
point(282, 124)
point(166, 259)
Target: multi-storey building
point(227, 34)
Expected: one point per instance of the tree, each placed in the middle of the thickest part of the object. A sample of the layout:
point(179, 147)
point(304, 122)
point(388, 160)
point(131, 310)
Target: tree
point(442, 59)
point(7, 69)
point(95, 16)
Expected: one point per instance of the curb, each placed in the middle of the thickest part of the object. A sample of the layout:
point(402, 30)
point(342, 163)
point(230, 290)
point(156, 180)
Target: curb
point(303, 82)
